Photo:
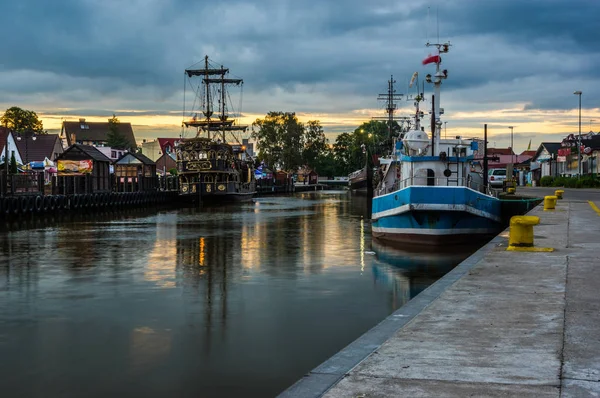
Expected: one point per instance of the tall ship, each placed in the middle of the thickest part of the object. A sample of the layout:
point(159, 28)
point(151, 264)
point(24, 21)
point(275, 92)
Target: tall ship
point(429, 192)
point(213, 165)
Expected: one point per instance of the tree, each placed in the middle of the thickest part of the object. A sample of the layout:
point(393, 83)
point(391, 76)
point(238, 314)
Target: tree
point(315, 146)
point(342, 154)
point(21, 120)
point(280, 139)
point(13, 164)
point(114, 138)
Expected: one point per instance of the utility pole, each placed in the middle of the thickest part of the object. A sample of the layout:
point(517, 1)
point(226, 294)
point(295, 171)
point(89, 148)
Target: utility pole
point(579, 141)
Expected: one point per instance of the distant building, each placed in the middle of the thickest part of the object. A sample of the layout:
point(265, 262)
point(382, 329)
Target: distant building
point(93, 133)
point(37, 147)
point(155, 149)
point(111, 153)
point(165, 163)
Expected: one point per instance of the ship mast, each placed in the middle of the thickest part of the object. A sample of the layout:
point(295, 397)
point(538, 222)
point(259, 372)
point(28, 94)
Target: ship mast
point(390, 104)
point(437, 83)
point(207, 112)
point(208, 124)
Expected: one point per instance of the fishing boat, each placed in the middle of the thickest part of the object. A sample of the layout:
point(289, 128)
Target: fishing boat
point(357, 181)
point(430, 192)
point(213, 165)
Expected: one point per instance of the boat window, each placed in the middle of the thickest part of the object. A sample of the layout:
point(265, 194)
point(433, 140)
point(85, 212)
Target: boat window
point(430, 177)
point(208, 178)
point(212, 154)
point(201, 155)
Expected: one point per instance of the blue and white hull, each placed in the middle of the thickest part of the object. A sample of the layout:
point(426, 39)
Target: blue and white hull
point(435, 215)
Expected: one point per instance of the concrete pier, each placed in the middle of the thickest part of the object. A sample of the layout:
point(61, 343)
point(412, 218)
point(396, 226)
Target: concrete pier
point(502, 323)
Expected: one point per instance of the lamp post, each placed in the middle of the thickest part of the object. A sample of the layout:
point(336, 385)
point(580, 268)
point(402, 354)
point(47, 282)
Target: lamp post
point(511, 144)
point(579, 140)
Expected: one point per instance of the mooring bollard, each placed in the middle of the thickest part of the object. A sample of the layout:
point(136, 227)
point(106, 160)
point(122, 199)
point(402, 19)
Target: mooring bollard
point(511, 190)
point(520, 234)
point(549, 202)
point(559, 193)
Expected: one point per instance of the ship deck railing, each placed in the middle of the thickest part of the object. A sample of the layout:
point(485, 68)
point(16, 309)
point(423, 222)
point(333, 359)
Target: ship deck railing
point(468, 182)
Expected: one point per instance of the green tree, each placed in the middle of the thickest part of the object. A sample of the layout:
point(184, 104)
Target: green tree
point(280, 139)
point(21, 120)
point(342, 154)
point(114, 138)
point(315, 145)
point(13, 164)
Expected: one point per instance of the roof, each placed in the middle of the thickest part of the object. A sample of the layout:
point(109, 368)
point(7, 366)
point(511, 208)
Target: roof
point(504, 160)
point(500, 151)
point(528, 153)
point(164, 141)
point(3, 133)
point(95, 131)
point(89, 151)
point(36, 150)
point(551, 147)
point(142, 158)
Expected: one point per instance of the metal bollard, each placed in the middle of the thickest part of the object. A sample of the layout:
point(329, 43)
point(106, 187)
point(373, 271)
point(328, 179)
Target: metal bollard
point(559, 193)
point(520, 233)
point(549, 202)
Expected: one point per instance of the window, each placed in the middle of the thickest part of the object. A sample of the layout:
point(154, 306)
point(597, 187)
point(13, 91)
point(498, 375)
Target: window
point(430, 177)
point(113, 154)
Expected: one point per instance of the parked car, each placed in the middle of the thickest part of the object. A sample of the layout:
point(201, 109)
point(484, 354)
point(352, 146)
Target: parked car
point(496, 177)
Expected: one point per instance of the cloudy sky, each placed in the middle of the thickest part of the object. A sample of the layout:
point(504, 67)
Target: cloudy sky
point(512, 62)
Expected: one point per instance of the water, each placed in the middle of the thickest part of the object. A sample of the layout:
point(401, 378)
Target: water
point(230, 301)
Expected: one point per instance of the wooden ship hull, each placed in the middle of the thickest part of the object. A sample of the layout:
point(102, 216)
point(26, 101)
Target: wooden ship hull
point(210, 171)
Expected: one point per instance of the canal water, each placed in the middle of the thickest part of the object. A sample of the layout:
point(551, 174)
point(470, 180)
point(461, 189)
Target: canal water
point(239, 300)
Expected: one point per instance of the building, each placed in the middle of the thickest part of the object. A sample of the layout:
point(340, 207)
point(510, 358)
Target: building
point(135, 172)
point(111, 153)
point(93, 133)
point(37, 147)
point(155, 149)
point(83, 169)
point(6, 137)
point(544, 162)
point(165, 163)
point(567, 159)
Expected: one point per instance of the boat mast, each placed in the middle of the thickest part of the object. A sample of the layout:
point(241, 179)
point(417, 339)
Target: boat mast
point(223, 116)
point(437, 83)
point(207, 112)
point(390, 104)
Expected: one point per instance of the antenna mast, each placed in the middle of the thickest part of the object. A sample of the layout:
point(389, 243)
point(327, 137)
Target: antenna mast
point(390, 107)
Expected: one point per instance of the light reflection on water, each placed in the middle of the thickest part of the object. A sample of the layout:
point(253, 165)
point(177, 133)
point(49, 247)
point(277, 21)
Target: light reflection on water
point(223, 301)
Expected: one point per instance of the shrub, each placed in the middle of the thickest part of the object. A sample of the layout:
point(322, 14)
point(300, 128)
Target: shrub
point(546, 181)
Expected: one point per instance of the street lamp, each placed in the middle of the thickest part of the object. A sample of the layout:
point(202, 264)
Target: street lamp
point(511, 144)
point(579, 143)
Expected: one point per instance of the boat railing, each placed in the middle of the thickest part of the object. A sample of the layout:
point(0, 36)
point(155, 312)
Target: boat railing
point(468, 182)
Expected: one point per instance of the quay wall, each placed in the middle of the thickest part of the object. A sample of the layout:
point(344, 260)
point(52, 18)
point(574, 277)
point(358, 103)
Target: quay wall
point(26, 205)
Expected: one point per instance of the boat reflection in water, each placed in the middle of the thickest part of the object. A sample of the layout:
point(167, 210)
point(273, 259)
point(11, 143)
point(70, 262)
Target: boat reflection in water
point(411, 271)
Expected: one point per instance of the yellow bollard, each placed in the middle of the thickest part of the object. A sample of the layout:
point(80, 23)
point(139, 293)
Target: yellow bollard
point(520, 234)
point(549, 202)
point(559, 193)
point(511, 190)
point(521, 230)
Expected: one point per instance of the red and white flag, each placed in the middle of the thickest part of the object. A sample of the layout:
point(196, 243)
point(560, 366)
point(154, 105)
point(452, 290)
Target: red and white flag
point(432, 59)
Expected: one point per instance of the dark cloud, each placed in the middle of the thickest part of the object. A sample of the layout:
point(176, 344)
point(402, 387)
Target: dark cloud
point(304, 56)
